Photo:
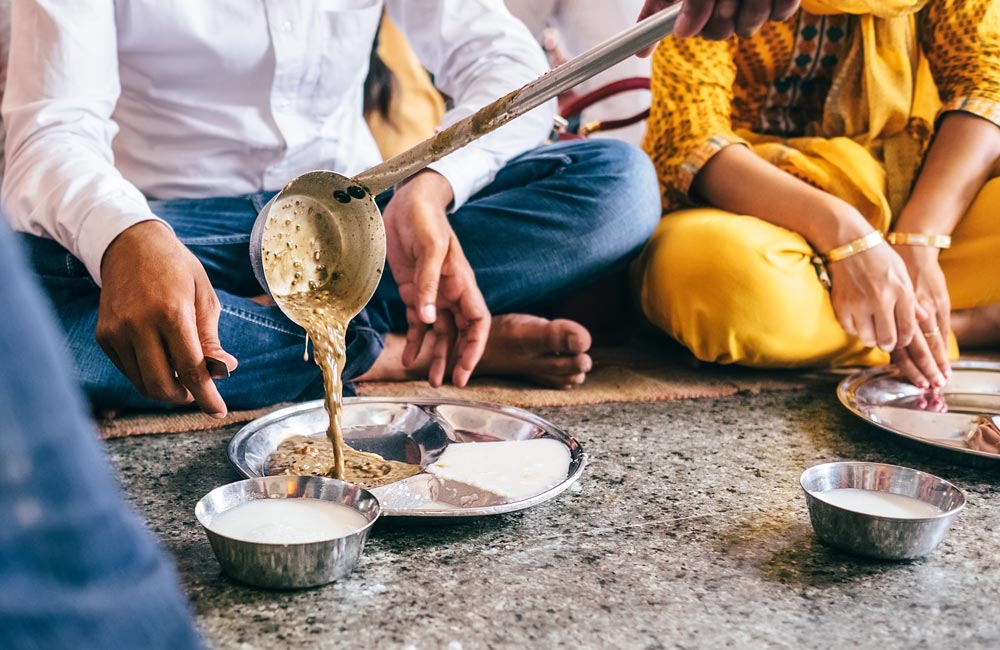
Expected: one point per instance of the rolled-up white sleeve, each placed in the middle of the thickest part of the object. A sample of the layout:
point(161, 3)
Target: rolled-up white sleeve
point(62, 87)
point(478, 52)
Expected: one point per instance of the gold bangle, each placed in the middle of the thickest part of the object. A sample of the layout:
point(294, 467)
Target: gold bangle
point(919, 239)
point(860, 245)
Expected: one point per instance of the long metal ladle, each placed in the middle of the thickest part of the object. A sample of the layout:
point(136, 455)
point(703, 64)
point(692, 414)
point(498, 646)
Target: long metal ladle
point(324, 231)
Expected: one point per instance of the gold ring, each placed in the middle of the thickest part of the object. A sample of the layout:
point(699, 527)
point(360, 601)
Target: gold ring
point(933, 332)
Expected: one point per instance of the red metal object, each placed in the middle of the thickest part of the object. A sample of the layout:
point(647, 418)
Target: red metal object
point(573, 105)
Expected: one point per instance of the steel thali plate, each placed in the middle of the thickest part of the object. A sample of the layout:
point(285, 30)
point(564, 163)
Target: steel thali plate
point(415, 431)
point(963, 417)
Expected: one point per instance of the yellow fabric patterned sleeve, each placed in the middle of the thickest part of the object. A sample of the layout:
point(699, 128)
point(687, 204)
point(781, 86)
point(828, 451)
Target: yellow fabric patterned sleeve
point(961, 39)
point(690, 117)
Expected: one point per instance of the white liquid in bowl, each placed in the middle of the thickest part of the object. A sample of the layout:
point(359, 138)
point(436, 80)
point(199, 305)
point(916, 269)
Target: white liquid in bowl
point(288, 521)
point(881, 504)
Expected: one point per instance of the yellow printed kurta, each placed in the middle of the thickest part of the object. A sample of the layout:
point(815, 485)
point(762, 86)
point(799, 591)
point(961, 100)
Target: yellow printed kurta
point(736, 289)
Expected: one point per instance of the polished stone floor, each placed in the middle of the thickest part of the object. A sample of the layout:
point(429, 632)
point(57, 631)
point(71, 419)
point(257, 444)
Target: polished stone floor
point(688, 530)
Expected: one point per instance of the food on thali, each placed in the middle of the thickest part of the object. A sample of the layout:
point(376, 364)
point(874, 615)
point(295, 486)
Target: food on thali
point(472, 474)
point(491, 473)
point(984, 435)
point(313, 456)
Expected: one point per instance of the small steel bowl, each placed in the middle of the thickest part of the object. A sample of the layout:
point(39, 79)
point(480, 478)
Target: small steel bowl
point(287, 566)
point(881, 537)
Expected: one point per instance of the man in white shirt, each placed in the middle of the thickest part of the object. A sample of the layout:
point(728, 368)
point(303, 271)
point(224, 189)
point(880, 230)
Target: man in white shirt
point(144, 136)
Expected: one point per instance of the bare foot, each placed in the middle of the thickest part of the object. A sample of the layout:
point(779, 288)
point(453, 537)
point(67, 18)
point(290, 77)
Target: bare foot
point(548, 352)
point(978, 327)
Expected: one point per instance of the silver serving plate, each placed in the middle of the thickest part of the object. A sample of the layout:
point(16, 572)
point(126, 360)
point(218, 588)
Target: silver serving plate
point(964, 416)
point(410, 431)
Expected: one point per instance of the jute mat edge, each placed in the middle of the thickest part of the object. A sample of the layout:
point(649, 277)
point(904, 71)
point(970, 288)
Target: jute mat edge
point(611, 382)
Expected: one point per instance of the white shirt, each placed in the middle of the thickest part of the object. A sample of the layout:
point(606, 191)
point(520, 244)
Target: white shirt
point(109, 102)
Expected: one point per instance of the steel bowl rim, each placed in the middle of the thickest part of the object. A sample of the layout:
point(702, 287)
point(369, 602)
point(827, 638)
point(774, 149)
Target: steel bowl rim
point(944, 514)
point(199, 508)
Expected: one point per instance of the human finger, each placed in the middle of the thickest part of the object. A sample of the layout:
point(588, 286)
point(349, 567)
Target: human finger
point(904, 362)
point(444, 338)
point(157, 371)
point(884, 321)
point(864, 325)
point(648, 9)
point(184, 346)
point(936, 338)
point(416, 332)
point(693, 17)
point(207, 312)
point(923, 358)
point(937, 347)
point(751, 15)
point(427, 280)
point(907, 326)
point(722, 24)
point(123, 356)
point(941, 351)
point(846, 320)
point(473, 336)
point(782, 10)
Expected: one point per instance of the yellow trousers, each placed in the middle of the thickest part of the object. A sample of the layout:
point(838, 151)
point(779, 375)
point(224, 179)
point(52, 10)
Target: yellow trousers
point(737, 289)
point(415, 107)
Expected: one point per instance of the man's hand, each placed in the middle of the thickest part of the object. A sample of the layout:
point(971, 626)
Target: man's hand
point(159, 317)
point(717, 20)
point(435, 280)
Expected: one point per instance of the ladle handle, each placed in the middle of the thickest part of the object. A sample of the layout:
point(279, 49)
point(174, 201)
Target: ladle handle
point(491, 117)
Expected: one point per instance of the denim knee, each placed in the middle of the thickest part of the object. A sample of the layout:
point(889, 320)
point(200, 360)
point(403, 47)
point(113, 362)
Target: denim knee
point(626, 207)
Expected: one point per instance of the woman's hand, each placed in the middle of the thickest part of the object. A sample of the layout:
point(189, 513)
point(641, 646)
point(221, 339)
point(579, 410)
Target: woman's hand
point(925, 360)
point(873, 298)
point(435, 279)
point(961, 158)
point(872, 291)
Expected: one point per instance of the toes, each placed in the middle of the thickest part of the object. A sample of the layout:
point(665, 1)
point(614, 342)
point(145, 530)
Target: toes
point(568, 337)
point(563, 372)
point(579, 364)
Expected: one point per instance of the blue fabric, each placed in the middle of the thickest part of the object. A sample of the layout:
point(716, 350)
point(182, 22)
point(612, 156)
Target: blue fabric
point(555, 219)
point(77, 569)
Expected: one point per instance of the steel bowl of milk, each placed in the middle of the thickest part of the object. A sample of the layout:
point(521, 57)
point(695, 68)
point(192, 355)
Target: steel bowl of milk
point(288, 532)
point(881, 511)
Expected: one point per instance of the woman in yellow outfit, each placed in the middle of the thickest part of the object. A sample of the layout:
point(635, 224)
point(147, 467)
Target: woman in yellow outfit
point(786, 161)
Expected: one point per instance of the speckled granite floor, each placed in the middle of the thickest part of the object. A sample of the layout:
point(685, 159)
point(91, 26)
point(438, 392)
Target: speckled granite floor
point(688, 530)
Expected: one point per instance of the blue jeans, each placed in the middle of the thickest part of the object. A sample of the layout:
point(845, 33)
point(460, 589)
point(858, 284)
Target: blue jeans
point(77, 569)
point(555, 219)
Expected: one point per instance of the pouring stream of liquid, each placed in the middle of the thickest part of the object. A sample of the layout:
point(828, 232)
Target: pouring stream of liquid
point(299, 253)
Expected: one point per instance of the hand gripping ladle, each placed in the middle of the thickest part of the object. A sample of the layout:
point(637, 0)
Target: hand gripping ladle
point(324, 231)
